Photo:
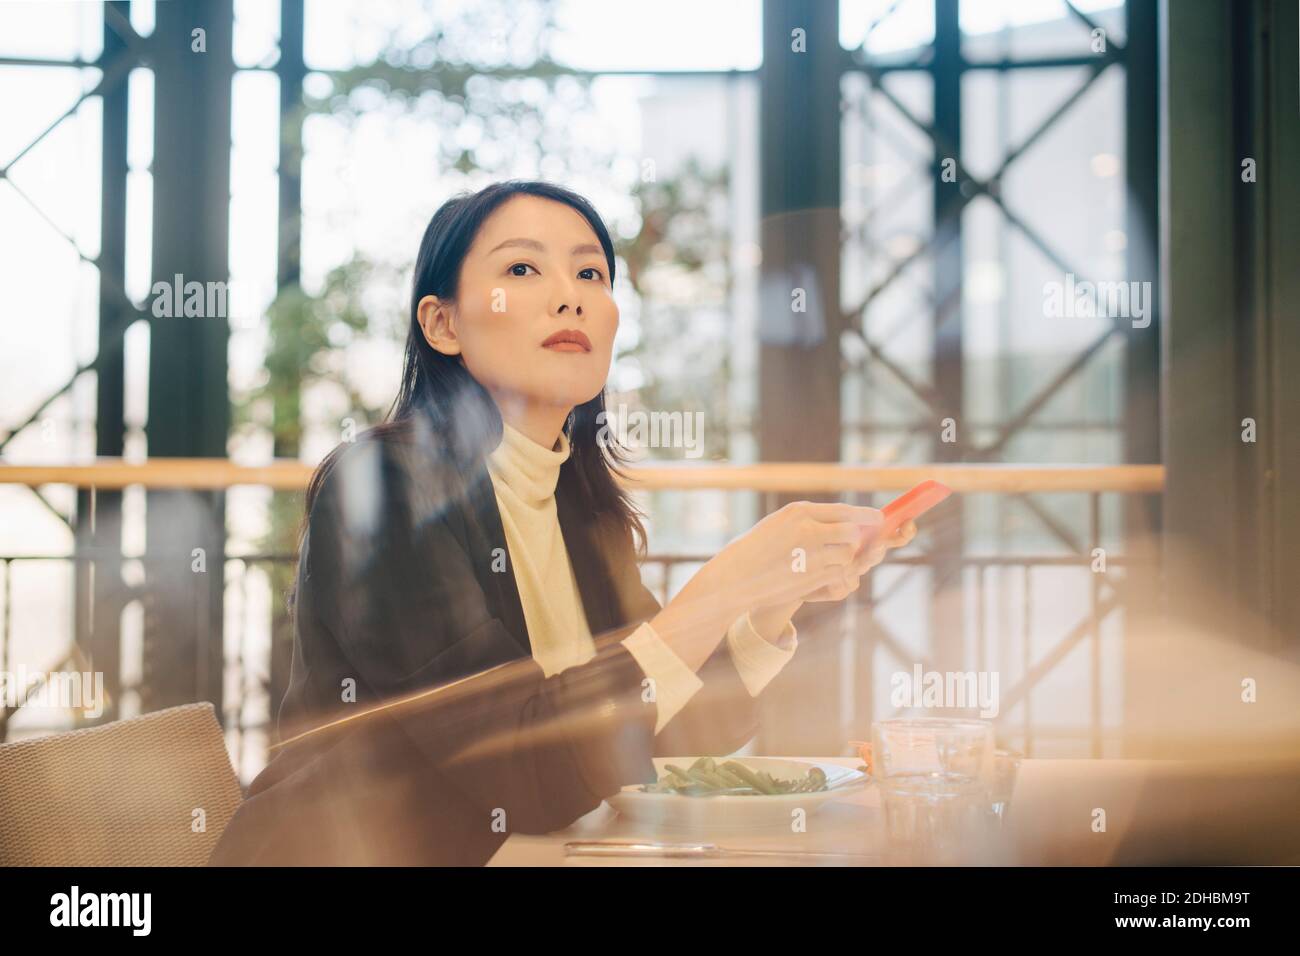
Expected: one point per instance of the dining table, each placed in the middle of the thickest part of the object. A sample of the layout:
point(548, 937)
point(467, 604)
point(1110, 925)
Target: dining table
point(850, 829)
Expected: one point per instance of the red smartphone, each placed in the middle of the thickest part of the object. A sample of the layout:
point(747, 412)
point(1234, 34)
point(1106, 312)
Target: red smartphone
point(911, 505)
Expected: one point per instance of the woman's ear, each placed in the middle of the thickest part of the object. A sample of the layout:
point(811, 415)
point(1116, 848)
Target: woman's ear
point(437, 321)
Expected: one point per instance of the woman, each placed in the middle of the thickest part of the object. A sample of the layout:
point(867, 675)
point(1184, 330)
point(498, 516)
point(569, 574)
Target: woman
point(477, 543)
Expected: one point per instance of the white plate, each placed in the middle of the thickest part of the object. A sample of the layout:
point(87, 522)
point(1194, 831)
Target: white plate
point(736, 811)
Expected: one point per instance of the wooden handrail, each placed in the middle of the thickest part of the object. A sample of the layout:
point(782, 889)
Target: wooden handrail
point(790, 477)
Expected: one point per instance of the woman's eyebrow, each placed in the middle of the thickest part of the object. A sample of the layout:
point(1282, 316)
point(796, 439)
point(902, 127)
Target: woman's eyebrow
point(581, 248)
point(525, 243)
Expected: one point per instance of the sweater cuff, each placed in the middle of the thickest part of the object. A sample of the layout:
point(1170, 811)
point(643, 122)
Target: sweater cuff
point(672, 681)
point(756, 658)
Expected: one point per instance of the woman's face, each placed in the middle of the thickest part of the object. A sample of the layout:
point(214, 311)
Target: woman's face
point(535, 269)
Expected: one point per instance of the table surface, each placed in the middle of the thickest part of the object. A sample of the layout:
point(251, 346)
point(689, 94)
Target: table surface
point(850, 824)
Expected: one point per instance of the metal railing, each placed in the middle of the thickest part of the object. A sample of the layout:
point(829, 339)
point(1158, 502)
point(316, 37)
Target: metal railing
point(249, 713)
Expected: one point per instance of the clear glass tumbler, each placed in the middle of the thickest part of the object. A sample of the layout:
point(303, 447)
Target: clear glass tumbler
point(938, 782)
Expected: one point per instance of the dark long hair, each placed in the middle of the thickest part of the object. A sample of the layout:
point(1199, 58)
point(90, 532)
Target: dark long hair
point(438, 390)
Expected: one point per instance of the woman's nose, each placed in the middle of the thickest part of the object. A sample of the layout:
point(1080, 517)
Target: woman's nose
point(566, 300)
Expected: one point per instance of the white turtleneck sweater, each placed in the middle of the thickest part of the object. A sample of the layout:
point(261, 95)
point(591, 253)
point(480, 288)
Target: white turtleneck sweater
point(524, 475)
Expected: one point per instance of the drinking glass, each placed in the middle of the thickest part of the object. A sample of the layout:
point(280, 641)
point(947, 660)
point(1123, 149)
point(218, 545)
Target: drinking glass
point(938, 784)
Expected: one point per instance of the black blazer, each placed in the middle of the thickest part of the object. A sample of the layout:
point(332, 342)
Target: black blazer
point(397, 594)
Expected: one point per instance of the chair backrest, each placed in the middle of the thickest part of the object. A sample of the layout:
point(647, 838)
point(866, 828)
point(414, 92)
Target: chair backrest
point(154, 790)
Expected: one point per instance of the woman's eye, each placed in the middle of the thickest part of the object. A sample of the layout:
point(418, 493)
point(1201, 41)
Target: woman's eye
point(599, 276)
point(513, 270)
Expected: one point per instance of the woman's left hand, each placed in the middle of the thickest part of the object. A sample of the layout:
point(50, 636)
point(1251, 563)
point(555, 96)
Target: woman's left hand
point(871, 555)
point(770, 621)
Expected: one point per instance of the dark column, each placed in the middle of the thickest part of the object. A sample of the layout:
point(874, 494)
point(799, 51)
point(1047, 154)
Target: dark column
point(1142, 228)
point(291, 71)
point(1280, 287)
point(189, 412)
point(799, 351)
point(99, 513)
point(948, 622)
point(1230, 342)
point(1141, 346)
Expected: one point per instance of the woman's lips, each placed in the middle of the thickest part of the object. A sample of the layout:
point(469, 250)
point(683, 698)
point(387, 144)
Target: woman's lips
point(568, 340)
